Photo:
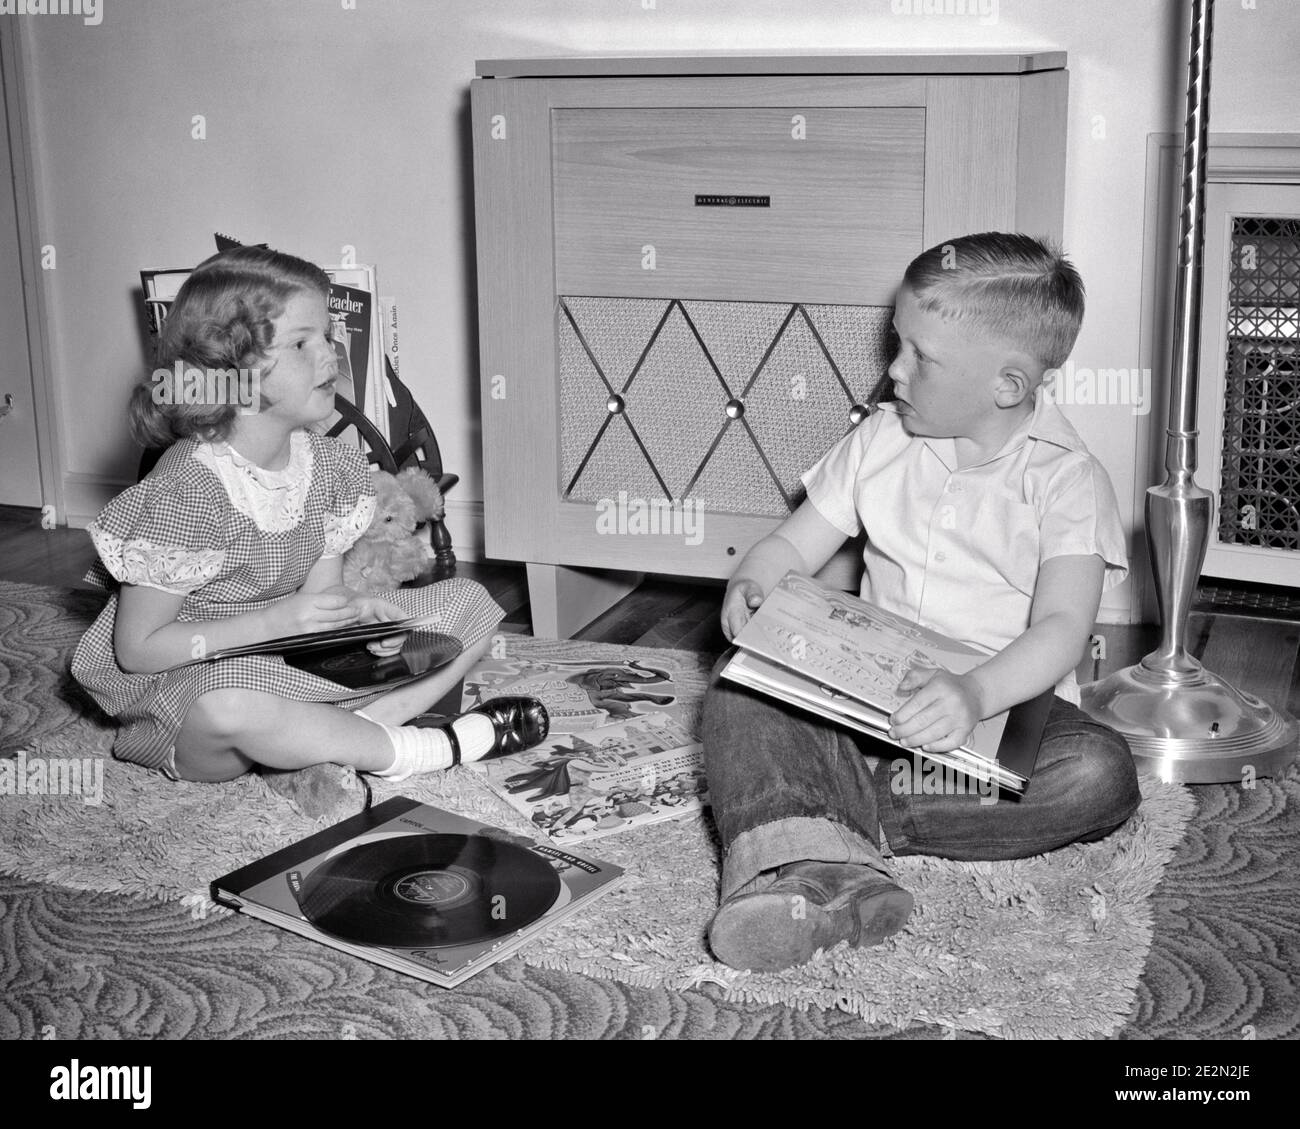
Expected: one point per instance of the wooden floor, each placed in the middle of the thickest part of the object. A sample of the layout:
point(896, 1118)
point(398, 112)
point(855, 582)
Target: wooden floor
point(1258, 654)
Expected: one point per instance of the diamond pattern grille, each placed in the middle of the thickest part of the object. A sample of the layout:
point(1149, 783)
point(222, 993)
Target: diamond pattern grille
point(726, 403)
point(1259, 497)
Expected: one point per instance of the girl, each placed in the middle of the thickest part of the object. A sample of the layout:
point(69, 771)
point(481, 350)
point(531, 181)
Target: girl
point(237, 536)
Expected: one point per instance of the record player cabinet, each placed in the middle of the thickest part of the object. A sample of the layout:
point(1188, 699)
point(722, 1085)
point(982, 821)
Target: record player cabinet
point(686, 269)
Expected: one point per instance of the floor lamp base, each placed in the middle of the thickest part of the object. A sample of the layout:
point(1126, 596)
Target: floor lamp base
point(1196, 729)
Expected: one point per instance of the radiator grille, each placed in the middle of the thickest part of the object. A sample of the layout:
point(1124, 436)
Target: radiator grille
point(1259, 496)
point(726, 403)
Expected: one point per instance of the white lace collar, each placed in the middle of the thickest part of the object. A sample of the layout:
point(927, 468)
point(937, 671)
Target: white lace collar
point(274, 500)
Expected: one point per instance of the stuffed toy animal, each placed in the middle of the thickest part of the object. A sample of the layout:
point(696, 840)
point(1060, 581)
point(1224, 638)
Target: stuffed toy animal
point(390, 551)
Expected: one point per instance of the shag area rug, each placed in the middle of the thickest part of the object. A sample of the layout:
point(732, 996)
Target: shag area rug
point(1051, 946)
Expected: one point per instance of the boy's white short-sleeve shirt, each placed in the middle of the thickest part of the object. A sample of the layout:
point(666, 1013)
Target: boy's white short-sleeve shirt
point(959, 549)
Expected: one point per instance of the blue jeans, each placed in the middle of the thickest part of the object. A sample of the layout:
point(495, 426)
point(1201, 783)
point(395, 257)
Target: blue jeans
point(787, 786)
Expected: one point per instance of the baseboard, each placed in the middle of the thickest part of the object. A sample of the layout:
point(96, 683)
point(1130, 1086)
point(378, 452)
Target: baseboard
point(1120, 604)
point(465, 524)
point(25, 515)
point(1127, 602)
point(1116, 614)
point(86, 495)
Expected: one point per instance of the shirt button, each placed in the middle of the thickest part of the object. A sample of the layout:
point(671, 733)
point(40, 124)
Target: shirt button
point(941, 557)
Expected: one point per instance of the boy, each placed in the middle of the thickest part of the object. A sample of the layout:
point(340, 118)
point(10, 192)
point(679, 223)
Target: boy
point(986, 519)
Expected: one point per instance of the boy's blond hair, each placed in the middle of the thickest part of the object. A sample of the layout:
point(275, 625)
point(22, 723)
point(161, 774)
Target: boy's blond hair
point(1013, 287)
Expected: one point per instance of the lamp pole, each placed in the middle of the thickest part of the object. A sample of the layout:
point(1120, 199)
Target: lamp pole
point(1181, 721)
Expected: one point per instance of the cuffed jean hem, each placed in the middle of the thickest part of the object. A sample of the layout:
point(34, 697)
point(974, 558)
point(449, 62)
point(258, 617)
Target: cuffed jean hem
point(793, 839)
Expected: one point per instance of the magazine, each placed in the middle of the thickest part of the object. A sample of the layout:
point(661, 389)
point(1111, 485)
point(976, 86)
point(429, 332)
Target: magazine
point(623, 750)
point(358, 341)
point(417, 889)
point(389, 340)
point(843, 658)
point(160, 288)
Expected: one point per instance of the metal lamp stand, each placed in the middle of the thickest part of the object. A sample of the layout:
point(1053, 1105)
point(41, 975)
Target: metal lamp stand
point(1181, 721)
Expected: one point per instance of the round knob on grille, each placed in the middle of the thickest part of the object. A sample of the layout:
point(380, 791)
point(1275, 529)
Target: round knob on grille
point(857, 414)
point(615, 404)
point(735, 408)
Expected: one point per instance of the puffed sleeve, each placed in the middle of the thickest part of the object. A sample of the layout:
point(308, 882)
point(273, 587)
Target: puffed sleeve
point(1081, 517)
point(830, 482)
point(161, 533)
point(352, 504)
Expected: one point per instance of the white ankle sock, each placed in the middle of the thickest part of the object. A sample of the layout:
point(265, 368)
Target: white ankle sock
point(476, 735)
point(418, 749)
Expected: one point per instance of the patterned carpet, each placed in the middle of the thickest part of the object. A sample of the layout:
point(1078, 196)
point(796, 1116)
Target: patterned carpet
point(1223, 963)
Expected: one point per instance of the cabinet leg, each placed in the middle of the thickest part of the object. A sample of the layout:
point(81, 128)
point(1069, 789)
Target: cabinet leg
point(564, 600)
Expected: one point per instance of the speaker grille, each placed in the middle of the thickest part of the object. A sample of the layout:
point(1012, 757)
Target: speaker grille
point(1259, 496)
point(726, 403)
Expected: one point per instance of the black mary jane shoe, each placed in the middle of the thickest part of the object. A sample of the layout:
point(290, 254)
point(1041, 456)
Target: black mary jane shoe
point(518, 722)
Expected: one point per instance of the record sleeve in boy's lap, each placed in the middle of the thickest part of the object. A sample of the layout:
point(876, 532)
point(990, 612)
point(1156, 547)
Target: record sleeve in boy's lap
point(417, 889)
point(842, 658)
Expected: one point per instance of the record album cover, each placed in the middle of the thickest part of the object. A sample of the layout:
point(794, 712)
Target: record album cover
point(417, 889)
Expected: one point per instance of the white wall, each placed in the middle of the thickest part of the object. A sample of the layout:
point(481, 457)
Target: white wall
point(328, 126)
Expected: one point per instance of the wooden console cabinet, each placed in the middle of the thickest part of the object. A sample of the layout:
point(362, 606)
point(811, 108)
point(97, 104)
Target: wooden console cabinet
point(686, 271)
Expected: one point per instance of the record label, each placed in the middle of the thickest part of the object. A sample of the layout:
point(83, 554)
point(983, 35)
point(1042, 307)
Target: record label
point(432, 887)
point(429, 891)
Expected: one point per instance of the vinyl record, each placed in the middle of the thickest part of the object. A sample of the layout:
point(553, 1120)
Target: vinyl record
point(316, 641)
point(345, 662)
point(428, 891)
point(355, 667)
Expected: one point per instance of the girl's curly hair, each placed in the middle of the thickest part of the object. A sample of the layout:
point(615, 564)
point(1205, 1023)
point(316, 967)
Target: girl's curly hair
point(222, 319)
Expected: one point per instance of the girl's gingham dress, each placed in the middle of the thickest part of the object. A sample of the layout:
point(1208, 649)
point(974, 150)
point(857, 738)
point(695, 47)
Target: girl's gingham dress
point(233, 537)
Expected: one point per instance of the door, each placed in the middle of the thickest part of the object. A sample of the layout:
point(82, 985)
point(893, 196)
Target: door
point(20, 479)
